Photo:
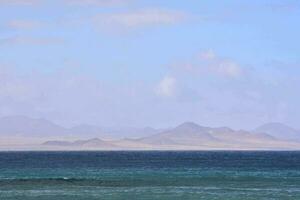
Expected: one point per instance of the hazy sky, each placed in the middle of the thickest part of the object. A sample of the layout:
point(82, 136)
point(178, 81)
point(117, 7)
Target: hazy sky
point(151, 62)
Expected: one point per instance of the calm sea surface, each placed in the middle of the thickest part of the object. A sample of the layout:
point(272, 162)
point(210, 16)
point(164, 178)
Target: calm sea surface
point(149, 175)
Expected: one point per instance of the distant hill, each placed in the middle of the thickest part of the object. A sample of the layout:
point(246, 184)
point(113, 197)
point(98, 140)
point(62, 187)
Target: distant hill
point(95, 142)
point(192, 134)
point(29, 127)
point(187, 133)
point(187, 136)
point(279, 131)
point(130, 132)
point(22, 126)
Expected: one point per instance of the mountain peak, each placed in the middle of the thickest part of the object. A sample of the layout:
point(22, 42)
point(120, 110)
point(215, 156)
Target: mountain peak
point(279, 131)
point(275, 125)
point(94, 140)
point(189, 126)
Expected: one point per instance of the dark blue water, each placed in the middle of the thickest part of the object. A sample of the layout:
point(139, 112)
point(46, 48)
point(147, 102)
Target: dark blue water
point(149, 175)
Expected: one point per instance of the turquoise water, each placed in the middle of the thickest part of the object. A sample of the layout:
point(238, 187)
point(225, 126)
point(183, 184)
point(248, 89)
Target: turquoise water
point(149, 175)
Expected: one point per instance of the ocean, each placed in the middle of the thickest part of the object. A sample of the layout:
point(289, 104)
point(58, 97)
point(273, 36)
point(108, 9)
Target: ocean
point(138, 175)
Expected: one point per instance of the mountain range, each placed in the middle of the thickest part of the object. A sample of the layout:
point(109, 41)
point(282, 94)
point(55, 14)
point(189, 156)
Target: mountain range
point(25, 127)
point(186, 136)
point(280, 131)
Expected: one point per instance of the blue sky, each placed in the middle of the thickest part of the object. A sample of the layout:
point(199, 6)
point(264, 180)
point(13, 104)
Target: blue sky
point(151, 63)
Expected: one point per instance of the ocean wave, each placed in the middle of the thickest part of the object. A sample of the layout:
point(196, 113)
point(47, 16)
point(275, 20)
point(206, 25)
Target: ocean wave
point(129, 181)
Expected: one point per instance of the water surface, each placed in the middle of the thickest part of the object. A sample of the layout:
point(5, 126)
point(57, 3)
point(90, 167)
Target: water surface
point(149, 175)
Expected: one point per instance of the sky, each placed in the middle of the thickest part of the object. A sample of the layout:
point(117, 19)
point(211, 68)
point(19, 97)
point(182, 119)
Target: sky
point(151, 62)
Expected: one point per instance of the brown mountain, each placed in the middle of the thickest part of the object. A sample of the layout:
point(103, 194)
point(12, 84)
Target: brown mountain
point(187, 133)
point(192, 136)
point(280, 131)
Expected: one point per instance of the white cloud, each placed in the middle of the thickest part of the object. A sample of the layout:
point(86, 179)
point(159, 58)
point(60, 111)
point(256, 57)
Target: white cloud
point(229, 68)
point(220, 66)
point(208, 62)
point(166, 87)
point(207, 55)
point(139, 18)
